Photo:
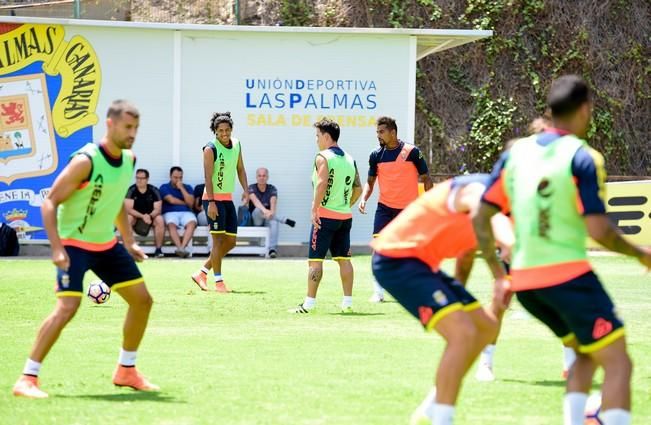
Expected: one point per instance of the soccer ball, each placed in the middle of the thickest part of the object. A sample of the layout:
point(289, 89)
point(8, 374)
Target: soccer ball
point(593, 410)
point(99, 292)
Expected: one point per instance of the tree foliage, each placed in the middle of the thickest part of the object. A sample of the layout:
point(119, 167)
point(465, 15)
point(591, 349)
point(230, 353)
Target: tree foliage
point(473, 98)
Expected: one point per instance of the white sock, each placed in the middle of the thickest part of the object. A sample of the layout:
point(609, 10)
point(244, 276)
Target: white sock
point(378, 289)
point(569, 357)
point(616, 417)
point(309, 303)
point(427, 405)
point(32, 367)
point(443, 414)
point(204, 270)
point(347, 301)
point(218, 277)
point(486, 357)
point(127, 358)
point(574, 408)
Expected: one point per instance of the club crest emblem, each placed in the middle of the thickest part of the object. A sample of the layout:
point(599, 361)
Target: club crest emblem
point(440, 298)
point(49, 90)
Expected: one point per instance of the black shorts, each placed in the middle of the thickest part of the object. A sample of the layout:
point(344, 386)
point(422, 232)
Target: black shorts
point(429, 296)
point(334, 235)
point(226, 221)
point(383, 216)
point(578, 308)
point(114, 266)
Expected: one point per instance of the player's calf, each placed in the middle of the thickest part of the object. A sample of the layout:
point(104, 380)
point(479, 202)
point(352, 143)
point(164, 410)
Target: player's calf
point(618, 368)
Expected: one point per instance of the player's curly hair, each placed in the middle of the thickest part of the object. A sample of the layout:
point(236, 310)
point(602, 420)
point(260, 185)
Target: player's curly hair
point(219, 118)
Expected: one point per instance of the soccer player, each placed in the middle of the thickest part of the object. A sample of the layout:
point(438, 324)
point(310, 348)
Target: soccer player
point(79, 215)
point(398, 167)
point(553, 184)
point(408, 254)
point(222, 161)
point(485, 363)
point(336, 189)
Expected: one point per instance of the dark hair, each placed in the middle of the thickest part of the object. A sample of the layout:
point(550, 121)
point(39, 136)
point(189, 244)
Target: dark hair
point(175, 168)
point(566, 95)
point(142, 170)
point(389, 122)
point(326, 125)
point(120, 106)
point(219, 118)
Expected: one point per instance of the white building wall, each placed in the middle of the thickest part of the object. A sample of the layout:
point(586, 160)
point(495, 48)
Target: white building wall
point(276, 83)
point(215, 71)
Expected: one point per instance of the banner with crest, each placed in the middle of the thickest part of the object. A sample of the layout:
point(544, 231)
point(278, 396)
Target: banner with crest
point(49, 89)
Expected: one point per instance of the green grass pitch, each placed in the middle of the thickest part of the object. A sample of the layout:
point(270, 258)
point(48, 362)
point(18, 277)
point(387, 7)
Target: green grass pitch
point(242, 359)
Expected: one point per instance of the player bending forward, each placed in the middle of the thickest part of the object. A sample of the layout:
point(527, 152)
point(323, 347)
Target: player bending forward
point(408, 254)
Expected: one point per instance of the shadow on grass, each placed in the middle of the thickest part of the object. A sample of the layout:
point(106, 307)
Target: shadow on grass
point(248, 292)
point(545, 383)
point(127, 396)
point(356, 314)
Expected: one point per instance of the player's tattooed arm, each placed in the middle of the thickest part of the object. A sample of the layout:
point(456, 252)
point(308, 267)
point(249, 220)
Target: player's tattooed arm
point(504, 235)
point(320, 189)
point(483, 230)
point(357, 189)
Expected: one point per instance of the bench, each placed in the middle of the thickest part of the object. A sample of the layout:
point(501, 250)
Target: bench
point(250, 241)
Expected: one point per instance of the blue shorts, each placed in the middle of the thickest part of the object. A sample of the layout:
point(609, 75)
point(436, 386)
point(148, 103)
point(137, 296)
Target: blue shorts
point(114, 266)
point(578, 308)
point(334, 235)
point(429, 296)
point(226, 221)
point(383, 216)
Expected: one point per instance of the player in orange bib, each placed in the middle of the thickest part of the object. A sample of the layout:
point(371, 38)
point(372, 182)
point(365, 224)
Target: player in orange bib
point(397, 167)
point(408, 254)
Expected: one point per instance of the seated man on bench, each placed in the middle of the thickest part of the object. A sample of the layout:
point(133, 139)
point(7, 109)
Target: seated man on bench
point(262, 206)
point(177, 210)
point(143, 205)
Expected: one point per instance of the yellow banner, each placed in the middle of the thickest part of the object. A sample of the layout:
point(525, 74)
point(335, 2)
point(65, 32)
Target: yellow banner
point(27, 44)
point(75, 61)
point(628, 205)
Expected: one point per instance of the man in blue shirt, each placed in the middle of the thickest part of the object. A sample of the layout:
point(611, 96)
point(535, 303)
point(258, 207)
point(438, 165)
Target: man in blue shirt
point(177, 210)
